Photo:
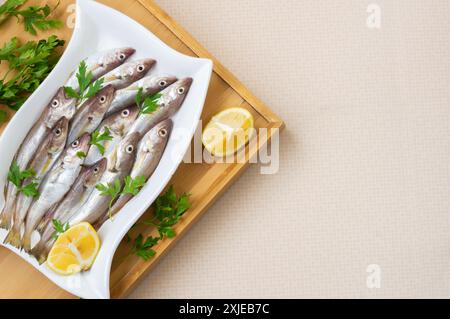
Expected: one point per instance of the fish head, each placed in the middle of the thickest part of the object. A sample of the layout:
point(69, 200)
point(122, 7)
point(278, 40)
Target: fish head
point(60, 106)
point(126, 152)
point(99, 104)
point(78, 147)
point(174, 95)
point(119, 122)
point(134, 70)
point(157, 83)
point(116, 57)
point(59, 136)
point(157, 136)
point(94, 172)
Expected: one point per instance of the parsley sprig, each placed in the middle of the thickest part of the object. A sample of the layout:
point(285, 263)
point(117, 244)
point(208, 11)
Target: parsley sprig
point(87, 89)
point(98, 137)
point(17, 176)
point(33, 17)
point(59, 228)
point(111, 190)
point(28, 66)
point(114, 190)
point(149, 104)
point(169, 209)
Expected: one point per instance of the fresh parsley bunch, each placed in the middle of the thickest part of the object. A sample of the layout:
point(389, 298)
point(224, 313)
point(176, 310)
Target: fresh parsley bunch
point(29, 65)
point(33, 17)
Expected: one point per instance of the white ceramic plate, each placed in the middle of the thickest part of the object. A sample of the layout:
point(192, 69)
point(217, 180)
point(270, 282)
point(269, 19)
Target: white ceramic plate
point(98, 28)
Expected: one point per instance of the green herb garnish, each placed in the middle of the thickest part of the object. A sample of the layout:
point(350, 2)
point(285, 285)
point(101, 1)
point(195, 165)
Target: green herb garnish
point(87, 89)
point(150, 103)
point(28, 65)
point(133, 186)
point(168, 211)
point(98, 137)
point(81, 154)
point(17, 176)
point(33, 17)
point(59, 228)
point(112, 190)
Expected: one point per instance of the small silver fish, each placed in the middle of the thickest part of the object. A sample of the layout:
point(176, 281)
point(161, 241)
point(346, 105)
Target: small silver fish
point(64, 210)
point(101, 63)
point(46, 155)
point(150, 85)
point(55, 185)
point(150, 151)
point(118, 124)
point(91, 113)
point(128, 73)
point(97, 204)
point(168, 104)
point(60, 106)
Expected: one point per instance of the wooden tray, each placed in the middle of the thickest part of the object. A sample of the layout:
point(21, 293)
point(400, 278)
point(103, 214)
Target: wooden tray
point(205, 182)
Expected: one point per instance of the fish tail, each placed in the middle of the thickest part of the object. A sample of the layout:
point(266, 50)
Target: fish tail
point(40, 251)
point(26, 243)
point(13, 237)
point(5, 220)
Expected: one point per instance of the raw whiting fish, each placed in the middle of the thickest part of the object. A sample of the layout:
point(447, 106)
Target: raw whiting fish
point(149, 153)
point(128, 73)
point(60, 106)
point(167, 105)
point(118, 124)
point(64, 210)
point(91, 113)
point(46, 155)
point(55, 185)
point(97, 204)
point(101, 63)
point(150, 85)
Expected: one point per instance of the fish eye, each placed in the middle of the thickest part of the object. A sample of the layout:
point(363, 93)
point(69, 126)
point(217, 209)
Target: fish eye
point(122, 57)
point(140, 68)
point(181, 90)
point(96, 170)
point(55, 103)
point(162, 132)
point(162, 83)
point(102, 99)
point(58, 131)
point(129, 149)
point(75, 143)
point(125, 113)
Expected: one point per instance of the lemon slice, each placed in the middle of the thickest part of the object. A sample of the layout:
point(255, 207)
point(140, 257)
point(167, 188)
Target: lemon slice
point(228, 131)
point(75, 250)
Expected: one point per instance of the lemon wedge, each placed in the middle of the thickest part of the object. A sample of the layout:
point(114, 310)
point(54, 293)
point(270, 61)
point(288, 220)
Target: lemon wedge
point(74, 250)
point(228, 131)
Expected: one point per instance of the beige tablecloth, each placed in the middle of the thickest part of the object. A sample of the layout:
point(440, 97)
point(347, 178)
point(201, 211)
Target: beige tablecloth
point(361, 204)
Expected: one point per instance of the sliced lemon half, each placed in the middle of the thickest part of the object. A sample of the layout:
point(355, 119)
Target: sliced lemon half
point(228, 131)
point(75, 250)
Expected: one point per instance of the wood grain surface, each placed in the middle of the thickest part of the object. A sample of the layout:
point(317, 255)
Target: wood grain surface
point(205, 182)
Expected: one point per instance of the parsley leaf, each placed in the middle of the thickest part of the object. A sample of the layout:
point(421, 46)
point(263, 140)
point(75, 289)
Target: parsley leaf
point(150, 103)
point(34, 17)
point(17, 176)
point(98, 137)
point(59, 228)
point(87, 89)
point(169, 209)
point(133, 186)
point(112, 190)
point(81, 154)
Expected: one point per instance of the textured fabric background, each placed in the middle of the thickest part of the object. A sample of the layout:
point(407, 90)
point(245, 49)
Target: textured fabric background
point(364, 173)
